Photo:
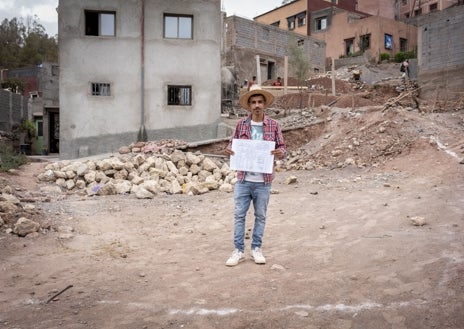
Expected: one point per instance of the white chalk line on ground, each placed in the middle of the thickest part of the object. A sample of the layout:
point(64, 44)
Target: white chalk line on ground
point(444, 148)
point(322, 308)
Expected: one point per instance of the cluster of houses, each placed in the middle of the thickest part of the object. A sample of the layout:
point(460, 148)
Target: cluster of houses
point(148, 70)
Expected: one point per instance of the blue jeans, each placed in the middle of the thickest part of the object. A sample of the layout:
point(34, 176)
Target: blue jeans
point(244, 193)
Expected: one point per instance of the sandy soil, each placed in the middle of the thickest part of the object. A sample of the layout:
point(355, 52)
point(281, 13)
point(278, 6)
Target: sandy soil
point(340, 245)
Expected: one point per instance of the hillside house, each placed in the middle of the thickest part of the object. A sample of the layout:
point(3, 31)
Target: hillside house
point(345, 27)
point(137, 70)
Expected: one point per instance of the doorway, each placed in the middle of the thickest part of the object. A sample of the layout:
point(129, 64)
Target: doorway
point(270, 70)
point(54, 132)
point(39, 138)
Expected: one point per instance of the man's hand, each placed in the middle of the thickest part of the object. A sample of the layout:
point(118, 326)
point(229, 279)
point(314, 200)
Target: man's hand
point(278, 153)
point(229, 152)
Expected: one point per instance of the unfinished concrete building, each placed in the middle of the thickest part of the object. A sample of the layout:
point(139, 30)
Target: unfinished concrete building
point(441, 56)
point(137, 70)
point(244, 40)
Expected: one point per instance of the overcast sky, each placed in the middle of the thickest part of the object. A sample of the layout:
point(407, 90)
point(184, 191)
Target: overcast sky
point(45, 10)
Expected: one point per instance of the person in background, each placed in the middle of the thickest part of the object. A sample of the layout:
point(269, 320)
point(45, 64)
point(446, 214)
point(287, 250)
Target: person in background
point(278, 82)
point(405, 69)
point(253, 186)
point(251, 82)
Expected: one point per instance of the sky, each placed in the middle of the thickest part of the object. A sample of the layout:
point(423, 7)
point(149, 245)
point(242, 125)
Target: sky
point(45, 10)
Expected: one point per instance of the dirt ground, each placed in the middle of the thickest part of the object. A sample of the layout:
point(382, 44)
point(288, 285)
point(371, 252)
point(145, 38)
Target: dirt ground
point(342, 251)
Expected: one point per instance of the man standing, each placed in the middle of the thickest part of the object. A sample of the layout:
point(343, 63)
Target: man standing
point(252, 186)
point(251, 82)
point(405, 68)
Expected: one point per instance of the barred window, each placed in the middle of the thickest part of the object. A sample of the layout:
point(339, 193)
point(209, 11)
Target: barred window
point(101, 89)
point(179, 95)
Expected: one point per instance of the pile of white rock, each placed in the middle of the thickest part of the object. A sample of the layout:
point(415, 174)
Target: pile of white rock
point(143, 175)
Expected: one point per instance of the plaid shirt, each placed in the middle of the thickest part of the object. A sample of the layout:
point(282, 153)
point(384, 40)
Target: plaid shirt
point(272, 132)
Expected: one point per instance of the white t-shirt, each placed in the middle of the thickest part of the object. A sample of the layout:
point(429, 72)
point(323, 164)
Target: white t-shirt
point(257, 133)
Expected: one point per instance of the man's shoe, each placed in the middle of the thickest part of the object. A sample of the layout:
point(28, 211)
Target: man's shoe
point(236, 257)
point(257, 255)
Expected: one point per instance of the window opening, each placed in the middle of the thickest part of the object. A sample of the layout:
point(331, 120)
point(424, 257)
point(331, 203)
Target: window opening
point(291, 23)
point(178, 27)
point(179, 95)
point(101, 89)
point(321, 23)
point(100, 23)
point(403, 44)
point(349, 46)
point(388, 41)
point(39, 128)
point(55, 70)
point(365, 41)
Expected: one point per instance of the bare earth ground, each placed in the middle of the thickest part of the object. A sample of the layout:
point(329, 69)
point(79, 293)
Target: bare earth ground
point(341, 250)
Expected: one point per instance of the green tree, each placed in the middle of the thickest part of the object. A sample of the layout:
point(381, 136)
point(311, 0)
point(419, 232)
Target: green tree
point(14, 84)
point(11, 42)
point(25, 44)
point(299, 63)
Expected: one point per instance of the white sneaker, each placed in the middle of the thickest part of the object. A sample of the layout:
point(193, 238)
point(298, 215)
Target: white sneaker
point(257, 255)
point(236, 257)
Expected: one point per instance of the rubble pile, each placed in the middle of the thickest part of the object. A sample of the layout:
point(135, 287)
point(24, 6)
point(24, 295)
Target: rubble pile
point(359, 142)
point(18, 213)
point(294, 118)
point(6, 136)
point(143, 175)
point(160, 147)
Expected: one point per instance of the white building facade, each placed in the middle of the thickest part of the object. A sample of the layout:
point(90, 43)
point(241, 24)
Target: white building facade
point(136, 70)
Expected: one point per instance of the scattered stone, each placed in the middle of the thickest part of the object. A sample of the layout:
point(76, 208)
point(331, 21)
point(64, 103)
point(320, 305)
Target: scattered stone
point(24, 226)
point(418, 221)
point(302, 313)
point(277, 267)
point(65, 229)
point(226, 187)
point(32, 235)
point(291, 180)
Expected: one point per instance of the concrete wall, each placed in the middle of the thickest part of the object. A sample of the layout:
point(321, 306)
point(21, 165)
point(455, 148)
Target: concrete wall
point(49, 84)
point(99, 124)
point(13, 108)
point(441, 54)
point(384, 8)
point(352, 61)
point(244, 39)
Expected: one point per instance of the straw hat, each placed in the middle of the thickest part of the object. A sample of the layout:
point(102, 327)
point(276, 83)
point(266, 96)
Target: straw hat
point(256, 90)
